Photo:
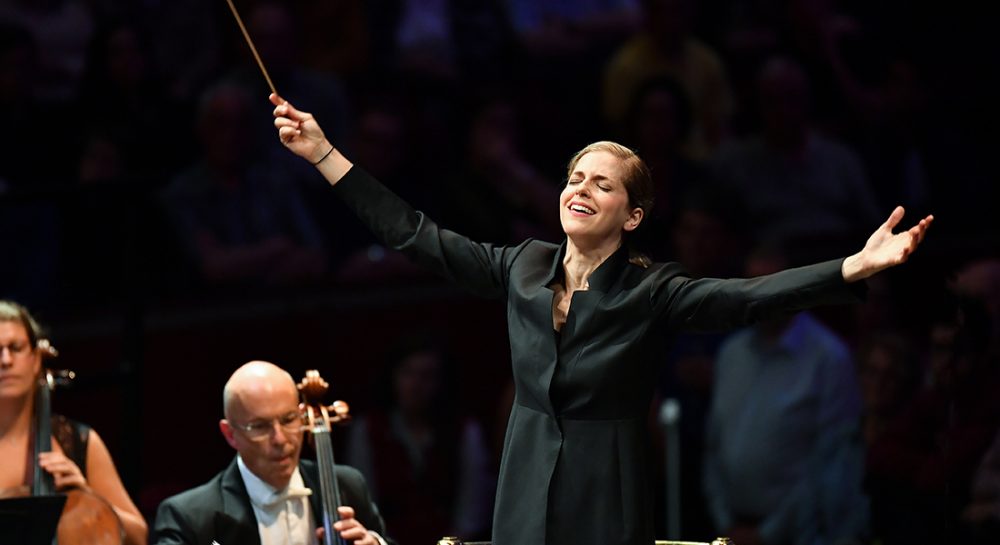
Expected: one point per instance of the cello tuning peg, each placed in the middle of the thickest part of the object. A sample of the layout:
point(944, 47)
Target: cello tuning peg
point(341, 410)
point(46, 348)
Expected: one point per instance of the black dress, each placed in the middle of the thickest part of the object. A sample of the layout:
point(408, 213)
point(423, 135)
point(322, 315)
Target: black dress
point(574, 468)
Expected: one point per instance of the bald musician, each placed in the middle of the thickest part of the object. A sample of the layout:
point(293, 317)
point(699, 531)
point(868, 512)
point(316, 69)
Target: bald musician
point(267, 495)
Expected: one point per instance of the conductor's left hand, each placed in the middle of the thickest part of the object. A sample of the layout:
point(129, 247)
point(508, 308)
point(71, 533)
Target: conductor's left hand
point(884, 248)
point(299, 130)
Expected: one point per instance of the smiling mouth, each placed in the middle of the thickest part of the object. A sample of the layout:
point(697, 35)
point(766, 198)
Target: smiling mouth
point(579, 208)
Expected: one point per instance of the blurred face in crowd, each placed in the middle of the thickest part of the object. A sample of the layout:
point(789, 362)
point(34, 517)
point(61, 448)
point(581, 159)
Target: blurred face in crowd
point(784, 99)
point(380, 141)
point(657, 126)
point(594, 205)
point(224, 128)
point(20, 362)
point(126, 61)
point(701, 242)
point(417, 380)
point(881, 379)
point(262, 421)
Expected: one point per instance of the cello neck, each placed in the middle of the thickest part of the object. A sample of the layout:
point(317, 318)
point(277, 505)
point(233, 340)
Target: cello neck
point(42, 483)
point(329, 487)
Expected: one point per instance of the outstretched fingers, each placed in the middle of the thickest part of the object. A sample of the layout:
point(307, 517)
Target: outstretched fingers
point(894, 218)
point(916, 235)
point(921, 228)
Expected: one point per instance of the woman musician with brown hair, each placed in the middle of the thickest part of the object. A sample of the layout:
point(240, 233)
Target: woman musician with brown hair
point(79, 458)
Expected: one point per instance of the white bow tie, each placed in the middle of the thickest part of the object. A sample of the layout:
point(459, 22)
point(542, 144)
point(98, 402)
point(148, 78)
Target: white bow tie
point(278, 498)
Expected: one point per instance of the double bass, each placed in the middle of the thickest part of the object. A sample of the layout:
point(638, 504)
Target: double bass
point(87, 519)
point(319, 420)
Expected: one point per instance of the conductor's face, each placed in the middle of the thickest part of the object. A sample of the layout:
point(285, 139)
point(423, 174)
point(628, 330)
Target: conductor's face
point(594, 205)
point(264, 426)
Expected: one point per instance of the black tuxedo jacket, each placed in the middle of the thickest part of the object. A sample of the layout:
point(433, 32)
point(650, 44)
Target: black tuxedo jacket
point(220, 509)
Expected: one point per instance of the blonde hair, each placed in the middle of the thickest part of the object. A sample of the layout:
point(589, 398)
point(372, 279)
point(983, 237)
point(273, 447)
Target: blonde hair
point(14, 312)
point(637, 180)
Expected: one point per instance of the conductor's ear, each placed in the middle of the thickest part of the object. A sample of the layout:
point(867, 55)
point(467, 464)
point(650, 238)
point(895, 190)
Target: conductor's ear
point(634, 219)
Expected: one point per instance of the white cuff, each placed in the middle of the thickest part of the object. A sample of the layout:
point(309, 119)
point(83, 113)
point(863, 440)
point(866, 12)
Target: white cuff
point(380, 539)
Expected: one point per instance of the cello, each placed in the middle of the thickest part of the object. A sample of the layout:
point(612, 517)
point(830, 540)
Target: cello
point(319, 420)
point(86, 517)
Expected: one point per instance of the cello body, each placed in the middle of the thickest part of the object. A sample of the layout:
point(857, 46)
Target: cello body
point(87, 519)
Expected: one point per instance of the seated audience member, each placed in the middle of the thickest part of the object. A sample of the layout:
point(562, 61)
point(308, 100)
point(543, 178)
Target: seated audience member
point(666, 47)
point(784, 462)
point(79, 458)
point(982, 514)
point(241, 219)
point(923, 465)
point(795, 183)
point(429, 467)
point(262, 497)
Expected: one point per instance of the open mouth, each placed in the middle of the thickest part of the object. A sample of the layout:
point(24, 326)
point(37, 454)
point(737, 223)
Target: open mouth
point(582, 209)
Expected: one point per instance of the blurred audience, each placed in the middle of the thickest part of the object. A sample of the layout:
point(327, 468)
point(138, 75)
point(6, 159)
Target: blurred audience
point(497, 195)
point(666, 47)
point(920, 468)
point(784, 459)
point(24, 164)
point(241, 219)
point(796, 183)
point(656, 124)
point(441, 39)
point(274, 27)
point(889, 375)
point(982, 514)
point(61, 29)
point(980, 280)
point(188, 38)
point(428, 465)
point(135, 132)
point(334, 35)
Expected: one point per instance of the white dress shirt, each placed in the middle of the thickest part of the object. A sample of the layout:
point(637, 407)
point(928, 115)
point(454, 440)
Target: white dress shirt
point(283, 516)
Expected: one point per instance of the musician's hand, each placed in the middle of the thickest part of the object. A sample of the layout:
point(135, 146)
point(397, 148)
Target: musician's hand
point(299, 131)
point(352, 530)
point(65, 473)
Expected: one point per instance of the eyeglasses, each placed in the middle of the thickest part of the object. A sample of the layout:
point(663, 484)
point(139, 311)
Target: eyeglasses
point(259, 429)
point(16, 349)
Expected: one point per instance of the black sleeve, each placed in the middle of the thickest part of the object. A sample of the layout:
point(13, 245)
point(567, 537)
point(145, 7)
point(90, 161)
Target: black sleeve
point(478, 267)
point(171, 526)
point(713, 304)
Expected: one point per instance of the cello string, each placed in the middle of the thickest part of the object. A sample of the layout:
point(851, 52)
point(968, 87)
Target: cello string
point(253, 49)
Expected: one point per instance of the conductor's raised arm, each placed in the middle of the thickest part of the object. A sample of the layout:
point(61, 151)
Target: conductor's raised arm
point(884, 248)
point(300, 133)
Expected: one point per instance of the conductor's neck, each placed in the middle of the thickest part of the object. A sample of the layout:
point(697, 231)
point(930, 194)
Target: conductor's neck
point(583, 259)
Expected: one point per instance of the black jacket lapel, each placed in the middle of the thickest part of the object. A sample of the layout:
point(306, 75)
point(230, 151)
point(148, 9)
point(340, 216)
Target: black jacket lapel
point(235, 523)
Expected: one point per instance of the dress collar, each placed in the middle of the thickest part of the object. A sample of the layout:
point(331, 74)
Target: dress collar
point(603, 276)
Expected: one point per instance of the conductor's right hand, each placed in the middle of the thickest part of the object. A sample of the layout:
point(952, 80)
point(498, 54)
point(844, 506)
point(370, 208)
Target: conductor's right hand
point(299, 131)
